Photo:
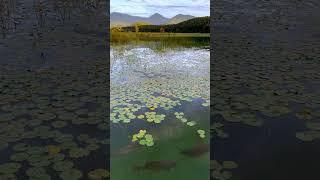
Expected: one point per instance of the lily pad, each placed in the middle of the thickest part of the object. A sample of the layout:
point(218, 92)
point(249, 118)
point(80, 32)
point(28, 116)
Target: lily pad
point(9, 168)
point(59, 124)
point(98, 174)
point(78, 152)
point(229, 165)
point(71, 174)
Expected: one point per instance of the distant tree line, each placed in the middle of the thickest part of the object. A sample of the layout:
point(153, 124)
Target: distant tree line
point(7, 20)
point(195, 25)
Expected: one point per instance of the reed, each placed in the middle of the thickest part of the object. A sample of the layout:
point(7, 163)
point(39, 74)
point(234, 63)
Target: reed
point(160, 40)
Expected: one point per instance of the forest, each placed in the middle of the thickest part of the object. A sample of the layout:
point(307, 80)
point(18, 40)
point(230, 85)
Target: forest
point(195, 25)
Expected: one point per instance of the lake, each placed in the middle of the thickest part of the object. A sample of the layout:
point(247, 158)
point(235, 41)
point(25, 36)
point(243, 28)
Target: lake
point(53, 123)
point(160, 97)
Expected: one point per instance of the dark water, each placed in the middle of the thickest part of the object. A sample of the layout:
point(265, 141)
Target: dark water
point(268, 152)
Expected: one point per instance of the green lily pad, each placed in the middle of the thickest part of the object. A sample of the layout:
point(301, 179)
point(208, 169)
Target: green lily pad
point(200, 131)
point(215, 165)
point(313, 125)
point(98, 174)
point(226, 175)
point(71, 174)
point(19, 156)
point(37, 173)
point(62, 165)
point(191, 123)
point(8, 176)
point(59, 124)
point(9, 168)
point(142, 142)
point(229, 165)
point(78, 152)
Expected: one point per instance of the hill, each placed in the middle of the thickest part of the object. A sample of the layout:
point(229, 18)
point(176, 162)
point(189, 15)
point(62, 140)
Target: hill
point(179, 18)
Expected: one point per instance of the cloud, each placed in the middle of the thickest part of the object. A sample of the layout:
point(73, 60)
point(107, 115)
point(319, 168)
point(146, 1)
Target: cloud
point(167, 8)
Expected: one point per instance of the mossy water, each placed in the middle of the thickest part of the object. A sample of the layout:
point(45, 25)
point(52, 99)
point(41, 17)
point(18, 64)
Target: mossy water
point(159, 112)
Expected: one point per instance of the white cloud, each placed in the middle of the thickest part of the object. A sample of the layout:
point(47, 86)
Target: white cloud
point(167, 8)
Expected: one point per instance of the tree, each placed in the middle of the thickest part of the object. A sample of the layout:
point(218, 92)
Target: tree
point(162, 30)
point(136, 27)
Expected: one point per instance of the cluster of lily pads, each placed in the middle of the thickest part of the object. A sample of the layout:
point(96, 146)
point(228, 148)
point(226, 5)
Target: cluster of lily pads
point(125, 115)
point(143, 89)
point(216, 130)
point(153, 102)
point(201, 133)
point(222, 171)
point(153, 117)
point(269, 88)
point(180, 116)
point(46, 108)
point(313, 132)
point(143, 138)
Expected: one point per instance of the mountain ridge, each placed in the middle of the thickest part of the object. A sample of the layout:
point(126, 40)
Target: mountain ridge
point(179, 18)
point(117, 17)
point(123, 19)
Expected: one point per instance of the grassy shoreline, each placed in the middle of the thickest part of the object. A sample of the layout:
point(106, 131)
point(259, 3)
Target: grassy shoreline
point(169, 40)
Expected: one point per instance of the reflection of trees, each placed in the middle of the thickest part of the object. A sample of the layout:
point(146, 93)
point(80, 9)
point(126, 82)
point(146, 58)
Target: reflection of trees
point(40, 11)
point(7, 21)
point(66, 9)
point(63, 8)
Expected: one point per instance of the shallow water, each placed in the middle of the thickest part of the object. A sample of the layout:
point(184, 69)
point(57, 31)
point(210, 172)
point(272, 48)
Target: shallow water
point(166, 82)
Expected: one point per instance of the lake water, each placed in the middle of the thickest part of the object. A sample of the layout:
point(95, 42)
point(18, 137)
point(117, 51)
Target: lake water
point(165, 93)
point(53, 123)
point(265, 115)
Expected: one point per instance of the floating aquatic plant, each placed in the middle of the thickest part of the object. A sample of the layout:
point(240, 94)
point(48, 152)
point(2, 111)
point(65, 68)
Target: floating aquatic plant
point(71, 174)
point(52, 149)
point(153, 117)
point(216, 130)
point(38, 173)
point(143, 138)
point(8, 176)
point(98, 174)
point(9, 168)
point(78, 152)
point(222, 171)
point(201, 133)
point(191, 123)
point(62, 165)
point(59, 124)
point(18, 157)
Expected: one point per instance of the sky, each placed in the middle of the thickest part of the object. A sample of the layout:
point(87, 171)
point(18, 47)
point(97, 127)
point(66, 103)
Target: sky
point(167, 8)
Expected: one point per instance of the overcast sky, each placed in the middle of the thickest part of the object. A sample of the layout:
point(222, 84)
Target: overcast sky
point(167, 8)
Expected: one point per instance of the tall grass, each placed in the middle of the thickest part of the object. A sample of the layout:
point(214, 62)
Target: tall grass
point(160, 41)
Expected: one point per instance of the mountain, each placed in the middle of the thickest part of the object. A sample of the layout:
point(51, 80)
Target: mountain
point(121, 19)
point(179, 18)
point(157, 19)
